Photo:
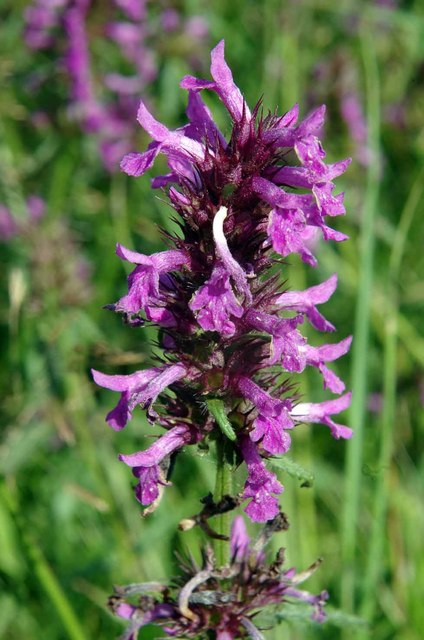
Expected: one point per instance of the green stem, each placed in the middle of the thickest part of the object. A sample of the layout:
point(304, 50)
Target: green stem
point(361, 330)
point(223, 486)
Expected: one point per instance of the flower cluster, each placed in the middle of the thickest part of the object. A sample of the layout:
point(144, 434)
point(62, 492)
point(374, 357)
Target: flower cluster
point(109, 114)
point(229, 328)
point(225, 599)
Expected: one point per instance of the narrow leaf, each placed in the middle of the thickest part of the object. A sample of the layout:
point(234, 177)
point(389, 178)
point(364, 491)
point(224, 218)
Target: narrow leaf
point(217, 409)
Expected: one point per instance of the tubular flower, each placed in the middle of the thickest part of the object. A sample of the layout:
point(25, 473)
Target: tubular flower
point(226, 599)
point(228, 327)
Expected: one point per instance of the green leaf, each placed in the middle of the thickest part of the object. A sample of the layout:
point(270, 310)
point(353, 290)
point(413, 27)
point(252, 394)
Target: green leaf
point(295, 470)
point(217, 409)
point(301, 613)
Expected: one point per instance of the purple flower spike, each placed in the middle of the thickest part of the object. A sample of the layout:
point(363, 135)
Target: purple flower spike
point(222, 314)
point(260, 484)
point(321, 412)
point(141, 387)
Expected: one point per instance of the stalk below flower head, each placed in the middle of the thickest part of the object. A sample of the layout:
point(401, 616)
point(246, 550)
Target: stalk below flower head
point(226, 599)
point(229, 328)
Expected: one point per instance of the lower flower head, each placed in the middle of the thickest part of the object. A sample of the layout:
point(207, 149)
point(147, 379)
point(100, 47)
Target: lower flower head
point(227, 599)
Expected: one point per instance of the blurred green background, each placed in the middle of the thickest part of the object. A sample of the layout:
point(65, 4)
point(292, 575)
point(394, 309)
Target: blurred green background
point(69, 525)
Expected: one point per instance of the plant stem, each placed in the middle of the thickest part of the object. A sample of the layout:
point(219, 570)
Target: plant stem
point(361, 330)
point(223, 486)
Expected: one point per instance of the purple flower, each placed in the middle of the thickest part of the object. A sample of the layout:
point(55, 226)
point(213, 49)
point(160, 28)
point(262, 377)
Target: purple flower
point(144, 281)
point(139, 618)
point(134, 9)
point(141, 387)
point(273, 418)
point(294, 215)
point(317, 356)
point(36, 208)
point(180, 149)
point(197, 27)
point(321, 412)
point(223, 85)
point(170, 20)
point(40, 20)
point(306, 301)
point(149, 465)
point(239, 540)
point(260, 485)
point(215, 303)
point(215, 300)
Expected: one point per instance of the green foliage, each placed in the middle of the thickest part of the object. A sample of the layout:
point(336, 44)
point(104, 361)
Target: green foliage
point(294, 469)
point(299, 615)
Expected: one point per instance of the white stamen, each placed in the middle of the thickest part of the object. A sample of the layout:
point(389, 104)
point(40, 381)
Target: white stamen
point(222, 250)
point(300, 410)
point(218, 229)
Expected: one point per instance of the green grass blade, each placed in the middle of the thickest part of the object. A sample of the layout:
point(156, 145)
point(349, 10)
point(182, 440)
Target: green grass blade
point(378, 542)
point(362, 325)
point(45, 574)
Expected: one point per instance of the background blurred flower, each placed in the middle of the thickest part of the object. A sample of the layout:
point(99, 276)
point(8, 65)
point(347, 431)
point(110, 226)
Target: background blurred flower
point(103, 105)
